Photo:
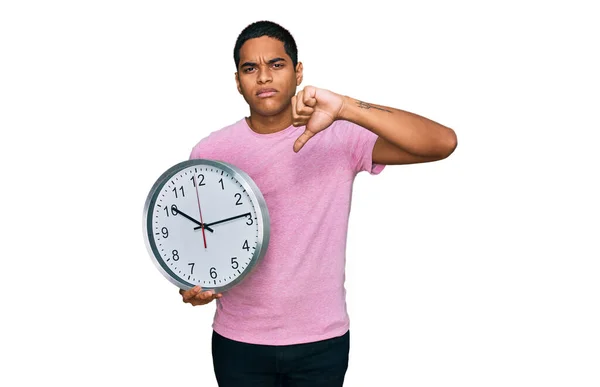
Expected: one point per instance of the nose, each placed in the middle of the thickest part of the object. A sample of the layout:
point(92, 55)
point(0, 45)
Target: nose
point(264, 75)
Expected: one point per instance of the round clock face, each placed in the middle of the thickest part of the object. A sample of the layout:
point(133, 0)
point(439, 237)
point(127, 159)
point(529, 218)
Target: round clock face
point(205, 223)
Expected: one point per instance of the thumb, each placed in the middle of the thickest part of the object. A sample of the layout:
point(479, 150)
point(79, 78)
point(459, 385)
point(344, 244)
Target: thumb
point(304, 137)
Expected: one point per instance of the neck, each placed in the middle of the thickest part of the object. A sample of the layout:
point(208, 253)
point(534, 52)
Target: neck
point(270, 124)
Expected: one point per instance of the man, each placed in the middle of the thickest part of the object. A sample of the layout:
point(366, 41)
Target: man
point(286, 324)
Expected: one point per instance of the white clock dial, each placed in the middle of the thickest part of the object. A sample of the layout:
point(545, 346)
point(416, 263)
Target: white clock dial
point(206, 225)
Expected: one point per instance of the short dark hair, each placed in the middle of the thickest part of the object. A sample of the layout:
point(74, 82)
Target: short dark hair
point(270, 29)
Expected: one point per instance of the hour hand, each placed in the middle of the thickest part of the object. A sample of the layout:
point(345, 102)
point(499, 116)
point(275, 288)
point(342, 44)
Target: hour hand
point(177, 211)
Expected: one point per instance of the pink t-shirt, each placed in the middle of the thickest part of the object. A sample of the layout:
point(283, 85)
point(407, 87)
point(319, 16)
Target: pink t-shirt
point(296, 293)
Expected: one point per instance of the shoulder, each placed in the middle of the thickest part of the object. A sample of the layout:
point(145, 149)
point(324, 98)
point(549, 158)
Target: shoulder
point(357, 143)
point(214, 138)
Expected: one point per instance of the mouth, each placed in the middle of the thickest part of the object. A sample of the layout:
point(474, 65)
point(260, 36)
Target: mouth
point(266, 93)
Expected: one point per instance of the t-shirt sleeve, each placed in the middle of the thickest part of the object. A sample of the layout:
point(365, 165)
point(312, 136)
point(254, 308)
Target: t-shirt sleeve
point(200, 150)
point(359, 142)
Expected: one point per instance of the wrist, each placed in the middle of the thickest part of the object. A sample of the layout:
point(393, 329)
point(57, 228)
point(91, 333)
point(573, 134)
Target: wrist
point(343, 112)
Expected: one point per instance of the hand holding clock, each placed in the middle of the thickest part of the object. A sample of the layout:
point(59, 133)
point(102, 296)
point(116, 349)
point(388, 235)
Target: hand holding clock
point(195, 296)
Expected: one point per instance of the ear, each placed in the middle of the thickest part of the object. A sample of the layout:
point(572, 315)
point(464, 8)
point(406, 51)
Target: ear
point(299, 73)
point(237, 83)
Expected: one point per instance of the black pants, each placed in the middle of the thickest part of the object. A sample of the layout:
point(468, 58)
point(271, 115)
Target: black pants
point(318, 364)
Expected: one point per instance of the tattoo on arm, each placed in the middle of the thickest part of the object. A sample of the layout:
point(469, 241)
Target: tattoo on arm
point(365, 105)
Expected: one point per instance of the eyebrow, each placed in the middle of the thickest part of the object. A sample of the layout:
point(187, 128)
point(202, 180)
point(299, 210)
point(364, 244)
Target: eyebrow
point(252, 64)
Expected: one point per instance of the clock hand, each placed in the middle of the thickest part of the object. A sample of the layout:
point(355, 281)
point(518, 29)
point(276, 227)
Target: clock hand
point(177, 211)
point(199, 210)
point(224, 220)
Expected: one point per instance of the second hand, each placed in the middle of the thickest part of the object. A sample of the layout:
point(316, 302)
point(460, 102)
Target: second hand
point(200, 209)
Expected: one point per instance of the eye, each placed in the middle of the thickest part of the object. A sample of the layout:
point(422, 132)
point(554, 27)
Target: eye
point(248, 69)
point(278, 65)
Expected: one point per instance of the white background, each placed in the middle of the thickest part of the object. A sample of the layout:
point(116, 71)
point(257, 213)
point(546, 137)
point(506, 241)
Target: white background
point(478, 270)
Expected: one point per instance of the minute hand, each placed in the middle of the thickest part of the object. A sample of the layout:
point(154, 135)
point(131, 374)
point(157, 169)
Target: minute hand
point(224, 220)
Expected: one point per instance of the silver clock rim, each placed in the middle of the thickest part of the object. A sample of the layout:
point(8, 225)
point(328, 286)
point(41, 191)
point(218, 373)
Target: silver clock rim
point(256, 197)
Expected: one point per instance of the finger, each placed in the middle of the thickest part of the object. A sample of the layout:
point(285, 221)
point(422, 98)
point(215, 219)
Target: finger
point(304, 137)
point(301, 121)
point(309, 98)
point(294, 115)
point(299, 118)
point(300, 113)
point(204, 296)
point(301, 108)
point(305, 112)
point(211, 298)
point(299, 98)
point(191, 293)
point(299, 101)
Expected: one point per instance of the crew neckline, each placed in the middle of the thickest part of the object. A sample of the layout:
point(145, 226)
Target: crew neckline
point(280, 133)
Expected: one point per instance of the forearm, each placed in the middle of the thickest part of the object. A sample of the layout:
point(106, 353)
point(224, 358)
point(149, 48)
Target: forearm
point(413, 133)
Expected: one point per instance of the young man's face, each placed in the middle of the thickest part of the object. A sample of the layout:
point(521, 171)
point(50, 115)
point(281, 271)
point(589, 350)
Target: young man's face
point(266, 76)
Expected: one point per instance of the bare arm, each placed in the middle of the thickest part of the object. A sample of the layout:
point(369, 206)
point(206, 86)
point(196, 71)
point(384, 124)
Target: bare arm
point(404, 137)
